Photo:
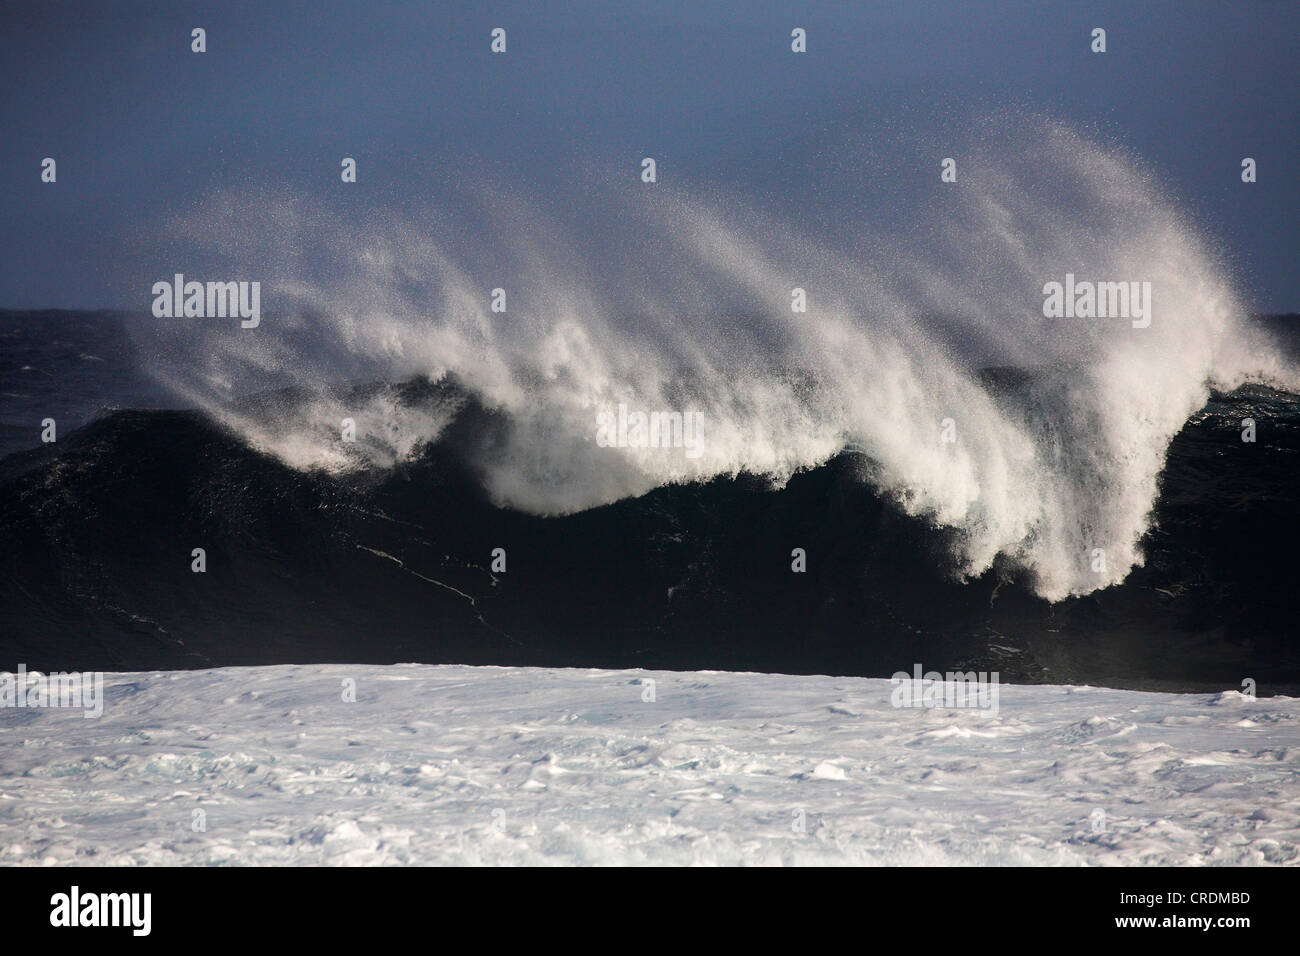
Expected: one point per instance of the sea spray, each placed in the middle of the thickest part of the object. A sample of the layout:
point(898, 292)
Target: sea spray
point(678, 303)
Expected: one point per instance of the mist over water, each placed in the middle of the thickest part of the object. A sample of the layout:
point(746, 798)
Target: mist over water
point(655, 297)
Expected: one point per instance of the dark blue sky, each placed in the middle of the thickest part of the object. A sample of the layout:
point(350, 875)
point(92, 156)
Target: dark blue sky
point(140, 126)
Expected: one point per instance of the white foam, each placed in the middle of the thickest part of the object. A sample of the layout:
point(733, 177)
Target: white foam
point(463, 765)
point(898, 322)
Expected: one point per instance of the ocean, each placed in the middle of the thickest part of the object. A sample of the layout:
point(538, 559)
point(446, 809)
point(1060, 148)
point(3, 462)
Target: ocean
point(387, 560)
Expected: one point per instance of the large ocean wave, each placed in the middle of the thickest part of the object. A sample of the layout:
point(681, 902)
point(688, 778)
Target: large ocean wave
point(686, 306)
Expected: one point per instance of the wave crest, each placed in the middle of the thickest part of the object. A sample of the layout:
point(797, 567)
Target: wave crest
point(659, 299)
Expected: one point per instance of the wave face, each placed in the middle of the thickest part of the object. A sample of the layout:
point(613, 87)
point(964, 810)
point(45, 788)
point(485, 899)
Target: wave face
point(396, 564)
point(686, 306)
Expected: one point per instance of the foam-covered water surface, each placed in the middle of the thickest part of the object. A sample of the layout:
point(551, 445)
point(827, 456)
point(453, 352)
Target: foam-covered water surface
point(462, 765)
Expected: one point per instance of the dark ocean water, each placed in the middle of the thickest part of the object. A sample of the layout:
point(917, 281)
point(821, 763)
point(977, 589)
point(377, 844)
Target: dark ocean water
point(394, 565)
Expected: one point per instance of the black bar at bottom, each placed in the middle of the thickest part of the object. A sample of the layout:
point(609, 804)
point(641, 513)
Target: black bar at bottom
point(303, 905)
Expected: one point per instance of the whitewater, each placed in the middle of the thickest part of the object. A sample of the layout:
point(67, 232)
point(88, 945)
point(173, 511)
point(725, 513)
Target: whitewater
point(684, 304)
point(487, 765)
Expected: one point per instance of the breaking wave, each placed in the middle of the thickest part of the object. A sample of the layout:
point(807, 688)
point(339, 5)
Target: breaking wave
point(666, 297)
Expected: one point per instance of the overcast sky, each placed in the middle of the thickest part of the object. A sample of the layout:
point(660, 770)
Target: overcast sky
point(139, 124)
